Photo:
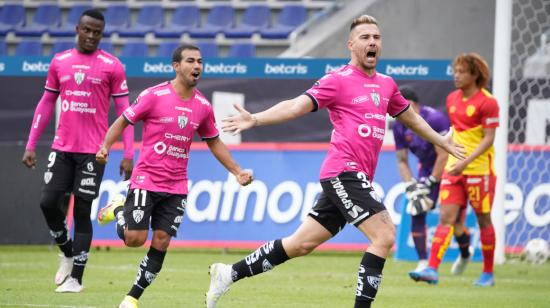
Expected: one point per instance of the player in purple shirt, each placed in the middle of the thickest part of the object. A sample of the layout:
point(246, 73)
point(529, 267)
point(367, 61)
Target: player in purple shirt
point(172, 112)
point(423, 191)
point(357, 99)
point(84, 78)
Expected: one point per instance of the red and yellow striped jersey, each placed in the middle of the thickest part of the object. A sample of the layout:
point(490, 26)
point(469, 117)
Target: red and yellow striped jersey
point(468, 118)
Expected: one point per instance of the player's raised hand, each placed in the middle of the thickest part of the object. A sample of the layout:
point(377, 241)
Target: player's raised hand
point(126, 167)
point(101, 155)
point(245, 177)
point(239, 122)
point(29, 159)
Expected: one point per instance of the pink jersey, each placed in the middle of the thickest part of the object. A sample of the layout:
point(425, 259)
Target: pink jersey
point(169, 124)
point(84, 83)
point(357, 105)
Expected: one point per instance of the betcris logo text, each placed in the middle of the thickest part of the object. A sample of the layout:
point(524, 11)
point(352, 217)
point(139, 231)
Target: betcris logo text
point(2, 66)
point(35, 67)
point(407, 70)
point(225, 69)
point(285, 69)
point(157, 68)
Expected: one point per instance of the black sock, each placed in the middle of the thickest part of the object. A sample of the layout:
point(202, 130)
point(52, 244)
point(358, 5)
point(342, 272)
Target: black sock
point(463, 241)
point(148, 269)
point(55, 219)
point(262, 260)
point(120, 222)
point(81, 248)
point(368, 280)
point(63, 241)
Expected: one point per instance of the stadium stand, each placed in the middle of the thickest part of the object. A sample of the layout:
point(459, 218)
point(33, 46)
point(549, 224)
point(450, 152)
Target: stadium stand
point(150, 17)
point(242, 50)
point(183, 19)
point(134, 49)
point(117, 18)
point(47, 16)
point(220, 17)
point(67, 28)
point(209, 49)
point(61, 45)
point(12, 16)
point(166, 48)
point(29, 48)
point(290, 17)
point(255, 18)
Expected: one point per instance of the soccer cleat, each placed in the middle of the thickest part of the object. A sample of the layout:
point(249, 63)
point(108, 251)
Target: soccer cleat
point(422, 264)
point(428, 275)
point(220, 280)
point(485, 280)
point(461, 263)
point(107, 213)
point(64, 270)
point(70, 285)
point(128, 302)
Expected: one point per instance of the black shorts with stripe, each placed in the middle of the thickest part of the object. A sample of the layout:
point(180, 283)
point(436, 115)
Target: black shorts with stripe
point(346, 198)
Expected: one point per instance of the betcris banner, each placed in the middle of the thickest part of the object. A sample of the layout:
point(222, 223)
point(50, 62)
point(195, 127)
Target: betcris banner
point(274, 68)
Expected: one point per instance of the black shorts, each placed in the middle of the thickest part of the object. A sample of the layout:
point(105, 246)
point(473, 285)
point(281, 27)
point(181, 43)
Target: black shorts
point(346, 198)
point(164, 210)
point(76, 172)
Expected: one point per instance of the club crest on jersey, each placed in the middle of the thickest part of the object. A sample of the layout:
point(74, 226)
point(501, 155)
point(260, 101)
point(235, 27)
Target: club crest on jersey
point(182, 121)
point(47, 176)
point(138, 215)
point(375, 98)
point(79, 77)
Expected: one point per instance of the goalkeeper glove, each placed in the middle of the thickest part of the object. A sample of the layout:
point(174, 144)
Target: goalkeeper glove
point(431, 182)
point(414, 189)
point(419, 204)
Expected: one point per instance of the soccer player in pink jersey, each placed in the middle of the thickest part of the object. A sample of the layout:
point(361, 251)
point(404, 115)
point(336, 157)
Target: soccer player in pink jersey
point(357, 99)
point(172, 112)
point(84, 78)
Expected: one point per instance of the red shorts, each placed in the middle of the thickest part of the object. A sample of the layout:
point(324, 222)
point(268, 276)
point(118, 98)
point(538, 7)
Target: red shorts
point(478, 190)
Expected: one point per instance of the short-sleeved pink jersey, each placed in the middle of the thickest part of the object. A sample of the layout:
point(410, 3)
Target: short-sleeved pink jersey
point(169, 123)
point(357, 105)
point(85, 83)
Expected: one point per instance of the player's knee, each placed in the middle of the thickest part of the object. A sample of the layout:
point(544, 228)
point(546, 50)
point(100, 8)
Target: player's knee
point(132, 239)
point(49, 200)
point(385, 238)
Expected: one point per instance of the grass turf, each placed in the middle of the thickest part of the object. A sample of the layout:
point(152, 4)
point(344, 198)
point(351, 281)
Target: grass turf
point(319, 280)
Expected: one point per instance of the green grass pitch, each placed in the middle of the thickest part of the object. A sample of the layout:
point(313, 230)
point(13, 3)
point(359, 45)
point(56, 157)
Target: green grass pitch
point(319, 280)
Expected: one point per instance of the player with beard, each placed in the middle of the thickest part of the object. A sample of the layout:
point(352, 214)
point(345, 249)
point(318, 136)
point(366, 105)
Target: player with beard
point(172, 112)
point(357, 99)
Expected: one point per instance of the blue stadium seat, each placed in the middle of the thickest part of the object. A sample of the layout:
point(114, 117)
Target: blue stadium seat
point(242, 50)
point(73, 17)
point(3, 48)
point(107, 46)
point(12, 16)
point(290, 18)
point(47, 16)
point(209, 49)
point(150, 17)
point(135, 49)
point(117, 18)
point(220, 17)
point(62, 45)
point(166, 48)
point(184, 18)
point(29, 48)
point(255, 18)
